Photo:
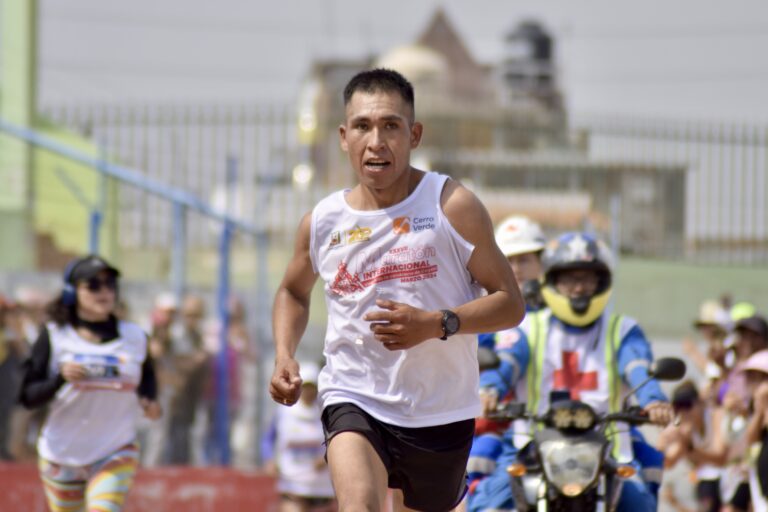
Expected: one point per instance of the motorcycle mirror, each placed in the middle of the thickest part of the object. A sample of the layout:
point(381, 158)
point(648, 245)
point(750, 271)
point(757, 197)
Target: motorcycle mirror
point(487, 359)
point(668, 368)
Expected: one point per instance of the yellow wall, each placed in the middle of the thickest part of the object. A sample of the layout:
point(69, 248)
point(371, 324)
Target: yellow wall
point(57, 211)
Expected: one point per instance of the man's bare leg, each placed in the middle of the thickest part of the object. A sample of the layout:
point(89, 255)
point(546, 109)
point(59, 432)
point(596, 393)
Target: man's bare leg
point(397, 502)
point(358, 474)
point(461, 507)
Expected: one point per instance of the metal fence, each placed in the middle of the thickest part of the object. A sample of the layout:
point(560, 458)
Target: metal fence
point(188, 147)
point(724, 219)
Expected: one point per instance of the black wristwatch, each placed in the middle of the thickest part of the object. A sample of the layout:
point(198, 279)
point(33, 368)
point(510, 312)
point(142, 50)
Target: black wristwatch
point(450, 323)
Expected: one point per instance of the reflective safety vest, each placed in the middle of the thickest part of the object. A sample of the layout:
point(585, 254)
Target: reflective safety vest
point(583, 362)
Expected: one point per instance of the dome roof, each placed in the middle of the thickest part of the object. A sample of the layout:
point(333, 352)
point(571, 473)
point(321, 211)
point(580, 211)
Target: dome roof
point(417, 63)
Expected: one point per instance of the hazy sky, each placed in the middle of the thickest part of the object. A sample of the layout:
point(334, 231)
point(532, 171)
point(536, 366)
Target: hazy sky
point(677, 58)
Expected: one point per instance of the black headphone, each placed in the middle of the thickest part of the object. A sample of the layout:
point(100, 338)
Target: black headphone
point(69, 293)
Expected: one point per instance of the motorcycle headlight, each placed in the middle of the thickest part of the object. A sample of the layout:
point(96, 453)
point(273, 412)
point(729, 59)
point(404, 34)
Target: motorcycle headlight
point(572, 415)
point(570, 466)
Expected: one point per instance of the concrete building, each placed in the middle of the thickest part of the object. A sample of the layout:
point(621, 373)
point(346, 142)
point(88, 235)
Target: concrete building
point(503, 128)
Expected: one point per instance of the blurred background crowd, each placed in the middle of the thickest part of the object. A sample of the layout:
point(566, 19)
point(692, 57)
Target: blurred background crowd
point(708, 454)
point(183, 140)
point(718, 441)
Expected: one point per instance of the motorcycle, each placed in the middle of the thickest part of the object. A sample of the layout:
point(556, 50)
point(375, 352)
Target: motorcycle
point(568, 463)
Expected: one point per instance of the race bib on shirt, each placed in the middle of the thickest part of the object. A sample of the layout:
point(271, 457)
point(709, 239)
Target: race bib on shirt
point(102, 372)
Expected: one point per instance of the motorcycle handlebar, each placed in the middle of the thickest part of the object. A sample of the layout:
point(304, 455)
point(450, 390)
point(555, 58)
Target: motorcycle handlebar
point(633, 416)
point(516, 411)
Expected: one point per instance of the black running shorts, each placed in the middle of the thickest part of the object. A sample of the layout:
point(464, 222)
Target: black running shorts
point(428, 464)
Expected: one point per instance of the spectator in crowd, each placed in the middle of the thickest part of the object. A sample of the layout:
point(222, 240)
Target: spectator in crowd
point(155, 450)
point(25, 423)
point(698, 438)
point(31, 302)
point(303, 479)
point(756, 370)
point(238, 352)
point(191, 368)
point(751, 336)
point(13, 349)
point(711, 327)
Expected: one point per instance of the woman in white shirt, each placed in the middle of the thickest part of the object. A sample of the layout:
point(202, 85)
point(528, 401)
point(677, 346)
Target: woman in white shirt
point(94, 373)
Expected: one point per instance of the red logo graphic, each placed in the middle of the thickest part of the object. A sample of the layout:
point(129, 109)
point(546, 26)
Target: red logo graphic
point(570, 378)
point(401, 225)
point(345, 283)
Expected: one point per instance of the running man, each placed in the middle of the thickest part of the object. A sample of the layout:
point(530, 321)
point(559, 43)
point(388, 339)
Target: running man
point(404, 256)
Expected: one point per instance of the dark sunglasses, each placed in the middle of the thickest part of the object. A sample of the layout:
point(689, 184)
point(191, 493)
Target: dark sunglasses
point(95, 284)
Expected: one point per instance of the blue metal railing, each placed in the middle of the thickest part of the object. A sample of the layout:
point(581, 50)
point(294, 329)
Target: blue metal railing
point(182, 201)
point(126, 175)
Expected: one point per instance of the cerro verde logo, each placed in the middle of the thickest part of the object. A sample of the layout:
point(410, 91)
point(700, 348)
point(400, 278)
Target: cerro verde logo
point(422, 224)
point(401, 225)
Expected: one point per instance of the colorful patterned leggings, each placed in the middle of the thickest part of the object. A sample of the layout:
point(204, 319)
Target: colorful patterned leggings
point(98, 487)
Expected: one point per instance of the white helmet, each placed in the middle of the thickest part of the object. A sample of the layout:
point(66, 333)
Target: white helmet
point(519, 235)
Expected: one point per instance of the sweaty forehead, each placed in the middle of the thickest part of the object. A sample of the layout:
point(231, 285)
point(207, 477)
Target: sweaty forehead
point(378, 104)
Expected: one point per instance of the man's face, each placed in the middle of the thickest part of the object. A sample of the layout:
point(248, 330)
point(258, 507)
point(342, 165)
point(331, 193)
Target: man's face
point(526, 266)
point(378, 135)
point(577, 283)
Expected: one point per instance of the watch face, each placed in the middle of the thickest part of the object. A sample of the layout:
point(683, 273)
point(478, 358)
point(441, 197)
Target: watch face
point(451, 323)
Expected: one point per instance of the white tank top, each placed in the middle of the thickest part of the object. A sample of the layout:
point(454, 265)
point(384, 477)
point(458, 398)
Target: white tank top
point(407, 253)
point(92, 418)
point(300, 444)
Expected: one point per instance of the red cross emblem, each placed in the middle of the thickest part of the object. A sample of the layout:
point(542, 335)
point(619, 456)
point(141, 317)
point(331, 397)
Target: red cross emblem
point(571, 379)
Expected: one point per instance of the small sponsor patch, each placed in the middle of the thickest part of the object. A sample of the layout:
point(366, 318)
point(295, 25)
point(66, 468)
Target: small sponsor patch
point(358, 234)
point(401, 225)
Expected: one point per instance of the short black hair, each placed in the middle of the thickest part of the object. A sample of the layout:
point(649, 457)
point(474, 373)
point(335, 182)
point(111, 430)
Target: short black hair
point(380, 79)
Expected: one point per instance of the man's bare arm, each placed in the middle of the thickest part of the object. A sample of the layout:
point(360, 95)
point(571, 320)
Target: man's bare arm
point(290, 315)
point(503, 307)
